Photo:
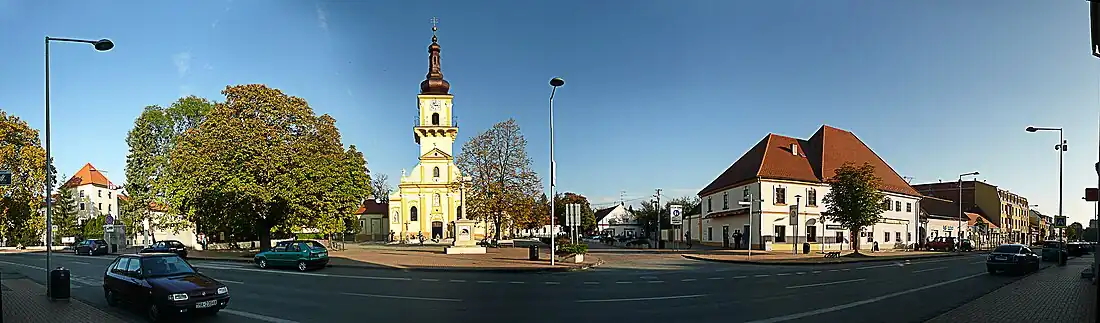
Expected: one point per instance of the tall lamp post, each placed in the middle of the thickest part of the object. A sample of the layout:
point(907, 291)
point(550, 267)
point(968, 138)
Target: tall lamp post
point(100, 45)
point(1061, 148)
point(555, 83)
point(959, 228)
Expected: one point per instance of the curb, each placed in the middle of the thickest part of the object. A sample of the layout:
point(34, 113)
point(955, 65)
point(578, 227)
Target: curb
point(777, 263)
point(432, 269)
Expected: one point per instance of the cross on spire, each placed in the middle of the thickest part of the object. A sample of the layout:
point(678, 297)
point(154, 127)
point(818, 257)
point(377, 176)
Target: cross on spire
point(435, 25)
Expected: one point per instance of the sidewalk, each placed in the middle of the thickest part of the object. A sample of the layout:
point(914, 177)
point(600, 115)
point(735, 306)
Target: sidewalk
point(814, 257)
point(25, 301)
point(1054, 294)
point(423, 258)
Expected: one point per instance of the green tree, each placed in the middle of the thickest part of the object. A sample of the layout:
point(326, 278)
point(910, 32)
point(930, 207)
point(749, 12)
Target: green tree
point(65, 213)
point(21, 152)
point(262, 162)
point(1074, 230)
point(588, 216)
point(93, 228)
point(151, 139)
point(502, 178)
point(854, 199)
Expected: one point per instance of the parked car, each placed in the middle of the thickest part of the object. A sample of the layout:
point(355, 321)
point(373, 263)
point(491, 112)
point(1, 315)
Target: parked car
point(941, 244)
point(162, 284)
point(1015, 258)
point(1053, 250)
point(300, 254)
point(91, 247)
point(169, 246)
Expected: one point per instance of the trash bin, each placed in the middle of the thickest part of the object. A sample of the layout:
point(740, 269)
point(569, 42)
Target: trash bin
point(805, 248)
point(59, 283)
point(533, 252)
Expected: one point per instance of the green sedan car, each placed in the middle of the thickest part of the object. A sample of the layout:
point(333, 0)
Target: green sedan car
point(301, 254)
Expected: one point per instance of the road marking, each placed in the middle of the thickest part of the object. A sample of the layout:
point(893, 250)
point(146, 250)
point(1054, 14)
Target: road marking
point(19, 264)
point(637, 299)
point(229, 281)
point(800, 273)
point(624, 282)
point(457, 280)
point(406, 297)
point(81, 262)
point(828, 283)
point(552, 283)
point(716, 278)
point(485, 282)
point(656, 281)
point(863, 302)
point(834, 270)
point(761, 275)
point(929, 269)
point(739, 277)
point(783, 274)
point(845, 269)
point(429, 279)
point(256, 316)
point(688, 280)
point(978, 262)
point(591, 283)
point(517, 282)
point(816, 272)
point(280, 272)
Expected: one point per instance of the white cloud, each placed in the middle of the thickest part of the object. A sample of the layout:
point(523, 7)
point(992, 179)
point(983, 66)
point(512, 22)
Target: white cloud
point(183, 63)
point(322, 18)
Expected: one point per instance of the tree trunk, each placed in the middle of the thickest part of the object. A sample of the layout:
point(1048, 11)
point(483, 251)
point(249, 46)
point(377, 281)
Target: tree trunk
point(855, 239)
point(264, 234)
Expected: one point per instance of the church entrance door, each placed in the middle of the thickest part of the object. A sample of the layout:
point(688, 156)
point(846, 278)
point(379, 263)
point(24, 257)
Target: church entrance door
point(437, 229)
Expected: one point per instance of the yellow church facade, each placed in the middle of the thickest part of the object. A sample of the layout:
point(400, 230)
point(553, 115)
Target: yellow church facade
point(427, 200)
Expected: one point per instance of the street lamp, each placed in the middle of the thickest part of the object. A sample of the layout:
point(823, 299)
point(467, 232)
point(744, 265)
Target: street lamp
point(1061, 148)
point(748, 203)
point(555, 83)
point(100, 45)
point(797, 204)
point(959, 228)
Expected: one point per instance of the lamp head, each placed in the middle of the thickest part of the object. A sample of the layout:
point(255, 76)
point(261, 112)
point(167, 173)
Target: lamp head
point(1032, 129)
point(103, 45)
point(556, 82)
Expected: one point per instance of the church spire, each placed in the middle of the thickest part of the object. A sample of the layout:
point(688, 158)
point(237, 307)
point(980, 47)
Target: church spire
point(434, 82)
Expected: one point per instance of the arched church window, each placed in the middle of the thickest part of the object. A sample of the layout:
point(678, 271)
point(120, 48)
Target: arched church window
point(412, 214)
point(435, 200)
point(435, 172)
point(435, 119)
point(458, 212)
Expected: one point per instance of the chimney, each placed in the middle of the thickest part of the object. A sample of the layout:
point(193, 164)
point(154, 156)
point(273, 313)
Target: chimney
point(794, 149)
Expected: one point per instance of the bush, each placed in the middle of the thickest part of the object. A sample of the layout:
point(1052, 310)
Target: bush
point(572, 249)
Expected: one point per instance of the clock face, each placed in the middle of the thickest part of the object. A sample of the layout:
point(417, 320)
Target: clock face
point(436, 104)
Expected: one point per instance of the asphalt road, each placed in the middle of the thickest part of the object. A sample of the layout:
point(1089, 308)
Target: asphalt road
point(869, 292)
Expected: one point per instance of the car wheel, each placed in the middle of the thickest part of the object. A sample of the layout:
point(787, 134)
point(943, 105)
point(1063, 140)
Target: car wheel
point(302, 266)
point(153, 314)
point(262, 263)
point(112, 300)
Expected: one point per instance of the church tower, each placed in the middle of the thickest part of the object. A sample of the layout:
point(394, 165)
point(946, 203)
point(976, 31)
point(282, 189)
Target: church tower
point(425, 201)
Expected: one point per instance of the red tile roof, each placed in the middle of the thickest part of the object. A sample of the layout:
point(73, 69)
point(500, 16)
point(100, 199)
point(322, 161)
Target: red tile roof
point(89, 175)
point(974, 219)
point(817, 160)
point(372, 206)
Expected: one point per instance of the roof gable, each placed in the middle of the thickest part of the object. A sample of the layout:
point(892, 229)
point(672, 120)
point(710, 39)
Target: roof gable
point(435, 153)
point(602, 213)
point(89, 175)
point(745, 168)
point(784, 159)
point(839, 146)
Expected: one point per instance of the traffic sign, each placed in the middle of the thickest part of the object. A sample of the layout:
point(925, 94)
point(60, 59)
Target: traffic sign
point(1091, 194)
point(676, 213)
point(1059, 221)
point(5, 177)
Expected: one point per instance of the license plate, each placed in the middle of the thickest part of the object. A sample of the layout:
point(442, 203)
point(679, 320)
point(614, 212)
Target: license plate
point(323, 254)
point(206, 304)
point(1000, 258)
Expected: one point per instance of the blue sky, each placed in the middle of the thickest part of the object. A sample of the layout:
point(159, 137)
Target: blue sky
point(660, 94)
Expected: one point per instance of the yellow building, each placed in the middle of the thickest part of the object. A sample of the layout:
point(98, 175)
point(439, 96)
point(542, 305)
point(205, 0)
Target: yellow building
point(424, 202)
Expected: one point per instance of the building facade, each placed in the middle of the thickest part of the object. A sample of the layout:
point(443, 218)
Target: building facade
point(782, 174)
point(1006, 210)
point(1016, 212)
point(426, 201)
point(618, 221)
point(373, 224)
point(95, 194)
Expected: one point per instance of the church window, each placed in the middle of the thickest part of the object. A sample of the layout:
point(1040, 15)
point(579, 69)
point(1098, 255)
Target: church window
point(435, 200)
point(412, 214)
point(435, 172)
point(458, 212)
point(435, 119)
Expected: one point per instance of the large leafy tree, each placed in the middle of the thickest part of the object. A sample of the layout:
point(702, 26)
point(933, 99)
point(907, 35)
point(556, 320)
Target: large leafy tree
point(648, 210)
point(381, 187)
point(154, 134)
point(854, 199)
point(533, 213)
point(588, 216)
point(65, 213)
point(263, 162)
point(21, 153)
point(502, 180)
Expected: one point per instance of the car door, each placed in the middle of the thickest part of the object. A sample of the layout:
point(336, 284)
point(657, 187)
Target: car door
point(290, 256)
point(1033, 259)
point(137, 289)
point(119, 280)
point(277, 256)
point(78, 245)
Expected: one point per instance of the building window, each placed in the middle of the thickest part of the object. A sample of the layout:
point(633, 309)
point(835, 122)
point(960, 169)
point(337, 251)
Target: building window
point(435, 172)
point(811, 233)
point(362, 225)
point(710, 234)
point(780, 195)
point(908, 236)
point(82, 206)
point(888, 204)
point(887, 237)
point(435, 119)
point(897, 236)
point(412, 214)
point(897, 206)
point(81, 193)
point(99, 193)
point(870, 237)
point(745, 194)
point(108, 208)
point(780, 233)
point(709, 204)
point(100, 206)
point(811, 197)
point(908, 207)
point(108, 194)
point(725, 200)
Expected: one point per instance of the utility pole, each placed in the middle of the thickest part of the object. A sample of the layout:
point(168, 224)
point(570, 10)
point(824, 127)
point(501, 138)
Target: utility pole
point(657, 245)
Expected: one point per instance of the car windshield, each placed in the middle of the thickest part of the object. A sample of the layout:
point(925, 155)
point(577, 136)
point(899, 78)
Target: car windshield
point(1007, 249)
point(165, 266)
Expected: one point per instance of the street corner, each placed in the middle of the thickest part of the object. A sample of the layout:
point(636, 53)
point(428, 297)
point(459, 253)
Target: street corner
point(800, 260)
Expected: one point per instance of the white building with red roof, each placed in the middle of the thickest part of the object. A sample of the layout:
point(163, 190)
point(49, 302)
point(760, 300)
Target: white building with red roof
point(95, 194)
point(780, 172)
